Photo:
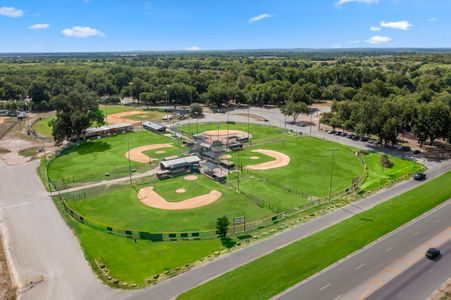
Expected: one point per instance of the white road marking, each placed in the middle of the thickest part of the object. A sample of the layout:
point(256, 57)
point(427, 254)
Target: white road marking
point(338, 297)
point(389, 249)
point(358, 267)
point(324, 287)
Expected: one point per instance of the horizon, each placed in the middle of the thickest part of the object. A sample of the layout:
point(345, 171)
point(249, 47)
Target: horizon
point(75, 26)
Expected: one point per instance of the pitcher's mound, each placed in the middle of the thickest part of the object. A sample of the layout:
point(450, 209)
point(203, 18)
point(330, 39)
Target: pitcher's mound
point(255, 157)
point(180, 191)
point(190, 177)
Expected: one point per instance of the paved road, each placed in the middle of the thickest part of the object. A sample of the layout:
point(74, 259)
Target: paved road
point(169, 289)
point(40, 243)
point(362, 274)
point(419, 281)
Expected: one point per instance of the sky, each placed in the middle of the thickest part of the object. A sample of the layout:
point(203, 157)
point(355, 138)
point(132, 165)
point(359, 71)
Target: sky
point(129, 25)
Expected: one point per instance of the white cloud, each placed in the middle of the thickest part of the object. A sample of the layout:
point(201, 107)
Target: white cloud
point(10, 12)
point(81, 32)
point(375, 28)
point(39, 26)
point(378, 39)
point(341, 2)
point(259, 18)
point(402, 25)
point(193, 48)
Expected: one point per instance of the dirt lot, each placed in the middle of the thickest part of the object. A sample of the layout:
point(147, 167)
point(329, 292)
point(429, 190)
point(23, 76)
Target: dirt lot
point(7, 292)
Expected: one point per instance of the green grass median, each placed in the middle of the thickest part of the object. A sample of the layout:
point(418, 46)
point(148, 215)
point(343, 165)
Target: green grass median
point(273, 273)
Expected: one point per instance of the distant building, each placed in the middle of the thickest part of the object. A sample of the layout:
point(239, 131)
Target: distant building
point(155, 127)
point(181, 165)
point(106, 130)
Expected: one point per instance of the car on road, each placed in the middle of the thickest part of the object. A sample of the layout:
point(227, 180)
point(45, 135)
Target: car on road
point(403, 148)
point(331, 131)
point(419, 176)
point(416, 151)
point(364, 139)
point(351, 136)
point(432, 253)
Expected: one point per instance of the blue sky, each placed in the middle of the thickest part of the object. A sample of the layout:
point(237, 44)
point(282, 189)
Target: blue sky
point(124, 25)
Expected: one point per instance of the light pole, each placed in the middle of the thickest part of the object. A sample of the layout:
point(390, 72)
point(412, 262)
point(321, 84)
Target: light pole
point(248, 137)
point(331, 171)
point(129, 163)
point(311, 120)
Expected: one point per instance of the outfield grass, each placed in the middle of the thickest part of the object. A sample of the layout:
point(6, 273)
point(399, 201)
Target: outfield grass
point(378, 176)
point(134, 262)
point(308, 171)
point(43, 129)
point(42, 126)
point(120, 207)
point(89, 161)
point(259, 132)
point(287, 266)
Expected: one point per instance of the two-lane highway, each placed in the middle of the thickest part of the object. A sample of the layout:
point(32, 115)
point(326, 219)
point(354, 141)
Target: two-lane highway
point(365, 272)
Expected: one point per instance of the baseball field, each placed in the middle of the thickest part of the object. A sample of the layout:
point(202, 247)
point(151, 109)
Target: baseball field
point(278, 172)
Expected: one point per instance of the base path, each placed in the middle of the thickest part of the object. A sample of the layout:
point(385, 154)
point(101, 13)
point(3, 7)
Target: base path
point(224, 135)
point(136, 154)
point(151, 198)
point(120, 117)
point(280, 160)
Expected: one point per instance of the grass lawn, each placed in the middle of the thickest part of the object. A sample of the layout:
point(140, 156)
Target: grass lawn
point(29, 152)
point(120, 207)
point(42, 126)
point(174, 151)
point(89, 161)
point(134, 262)
point(4, 151)
point(259, 132)
point(287, 266)
point(378, 176)
point(308, 171)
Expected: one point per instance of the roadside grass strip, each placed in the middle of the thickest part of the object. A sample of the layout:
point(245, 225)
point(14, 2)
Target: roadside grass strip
point(281, 269)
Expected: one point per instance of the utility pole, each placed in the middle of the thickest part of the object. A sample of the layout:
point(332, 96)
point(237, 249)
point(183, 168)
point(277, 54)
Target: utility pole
point(331, 171)
point(129, 162)
point(248, 137)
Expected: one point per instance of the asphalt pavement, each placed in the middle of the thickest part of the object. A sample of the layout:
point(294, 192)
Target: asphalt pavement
point(370, 272)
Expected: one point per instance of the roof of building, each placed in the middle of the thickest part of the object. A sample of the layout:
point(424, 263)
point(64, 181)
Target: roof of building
point(153, 125)
point(106, 128)
point(180, 161)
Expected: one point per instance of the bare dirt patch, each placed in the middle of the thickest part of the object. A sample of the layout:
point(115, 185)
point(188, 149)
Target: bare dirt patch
point(280, 160)
point(3, 119)
point(254, 157)
point(226, 156)
point(121, 117)
point(252, 116)
point(180, 191)
point(223, 135)
point(190, 177)
point(7, 291)
point(150, 198)
point(136, 154)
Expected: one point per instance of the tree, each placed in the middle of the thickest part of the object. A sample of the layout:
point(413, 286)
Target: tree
point(433, 121)
point(74, 113)
point(151, 98)
point(40, 96)
point(294, 109)
point(299, 94)
point(222, 225)
point(196, 109)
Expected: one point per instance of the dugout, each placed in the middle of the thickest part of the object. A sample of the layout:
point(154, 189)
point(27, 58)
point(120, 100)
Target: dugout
point(155, 127)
